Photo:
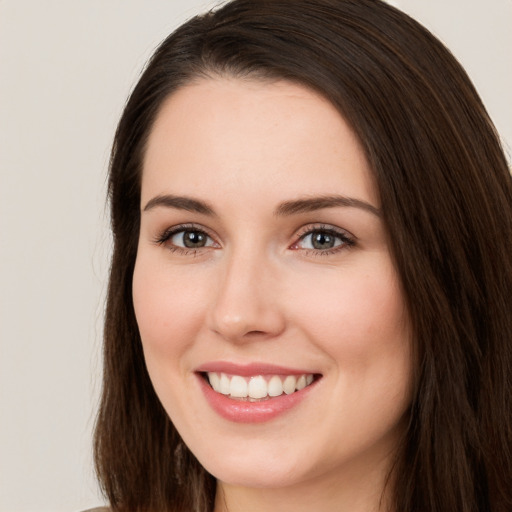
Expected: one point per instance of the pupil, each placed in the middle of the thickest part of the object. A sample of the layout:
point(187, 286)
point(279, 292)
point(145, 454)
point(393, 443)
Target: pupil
point(323, 241)
point(193, 239)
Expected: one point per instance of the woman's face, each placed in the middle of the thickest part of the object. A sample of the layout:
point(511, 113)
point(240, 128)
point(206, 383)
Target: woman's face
point(264, 270)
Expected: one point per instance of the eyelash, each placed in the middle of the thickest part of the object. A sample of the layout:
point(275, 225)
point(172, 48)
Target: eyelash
point(347, 240)
point(169, 233)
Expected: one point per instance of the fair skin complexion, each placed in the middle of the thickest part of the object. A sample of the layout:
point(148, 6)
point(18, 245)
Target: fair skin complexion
point(255, 265)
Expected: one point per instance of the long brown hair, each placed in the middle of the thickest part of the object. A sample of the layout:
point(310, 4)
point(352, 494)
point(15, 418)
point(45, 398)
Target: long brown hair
point(446, 195)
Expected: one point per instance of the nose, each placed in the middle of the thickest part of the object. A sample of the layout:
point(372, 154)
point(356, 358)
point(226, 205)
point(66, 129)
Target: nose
point(246, 306)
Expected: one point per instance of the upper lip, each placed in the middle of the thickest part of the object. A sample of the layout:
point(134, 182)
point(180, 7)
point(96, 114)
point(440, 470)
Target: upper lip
point(250, 369)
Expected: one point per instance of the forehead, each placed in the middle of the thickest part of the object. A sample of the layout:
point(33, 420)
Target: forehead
point(268, 138)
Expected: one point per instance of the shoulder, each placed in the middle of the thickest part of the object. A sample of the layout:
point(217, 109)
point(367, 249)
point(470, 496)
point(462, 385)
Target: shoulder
point(98, 509)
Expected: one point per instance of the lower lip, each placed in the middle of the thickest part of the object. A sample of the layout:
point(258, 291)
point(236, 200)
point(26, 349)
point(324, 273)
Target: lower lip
point(240, 411)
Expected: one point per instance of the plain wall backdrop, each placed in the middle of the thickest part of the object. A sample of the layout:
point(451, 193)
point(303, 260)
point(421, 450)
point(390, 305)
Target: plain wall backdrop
point(66, 68)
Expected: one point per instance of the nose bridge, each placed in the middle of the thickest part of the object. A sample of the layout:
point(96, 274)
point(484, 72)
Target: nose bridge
point(246, 303)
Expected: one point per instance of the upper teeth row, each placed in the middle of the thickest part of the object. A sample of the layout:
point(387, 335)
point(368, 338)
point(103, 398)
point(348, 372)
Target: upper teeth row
point(257, 386)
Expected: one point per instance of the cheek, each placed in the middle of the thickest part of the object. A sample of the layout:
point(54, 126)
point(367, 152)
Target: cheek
point(168, 312)
point(356, 315)
point(362, 325)
point(359, 320)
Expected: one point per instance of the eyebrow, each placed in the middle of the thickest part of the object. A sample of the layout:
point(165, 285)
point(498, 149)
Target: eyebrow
point(180, 203)
point(287, 208)
point(311, 204)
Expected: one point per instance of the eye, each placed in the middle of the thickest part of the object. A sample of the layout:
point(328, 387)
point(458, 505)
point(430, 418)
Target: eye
point(324, 240)
point(185, 238)
point(190, 239)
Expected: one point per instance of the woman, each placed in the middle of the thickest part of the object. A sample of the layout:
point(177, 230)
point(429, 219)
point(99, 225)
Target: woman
point(309, 302)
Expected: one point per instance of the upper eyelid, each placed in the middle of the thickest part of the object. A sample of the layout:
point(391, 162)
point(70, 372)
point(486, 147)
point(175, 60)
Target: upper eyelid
point(309, 228)
point(167, 233)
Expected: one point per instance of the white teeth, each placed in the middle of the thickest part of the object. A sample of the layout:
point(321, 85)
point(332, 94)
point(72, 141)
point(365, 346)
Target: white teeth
point(275, 386)
point(289, 384)
point(301, 382)
point(238, 387)
point(257, 387)
point(224, 384)
point(214, 381)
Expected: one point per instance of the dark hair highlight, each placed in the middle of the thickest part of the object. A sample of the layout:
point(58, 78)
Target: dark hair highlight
point(446, 197)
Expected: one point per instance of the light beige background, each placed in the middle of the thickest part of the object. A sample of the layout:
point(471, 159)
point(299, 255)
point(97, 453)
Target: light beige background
point(66, 67)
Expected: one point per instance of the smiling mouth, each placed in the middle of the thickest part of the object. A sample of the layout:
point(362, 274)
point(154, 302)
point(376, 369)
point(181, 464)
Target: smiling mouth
point(259, 387)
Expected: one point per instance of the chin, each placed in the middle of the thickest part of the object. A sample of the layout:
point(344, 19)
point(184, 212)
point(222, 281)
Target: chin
point(262, 465)
point(259, 475)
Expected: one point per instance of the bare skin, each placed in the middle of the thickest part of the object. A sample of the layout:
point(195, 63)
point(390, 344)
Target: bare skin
point(262, 242)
